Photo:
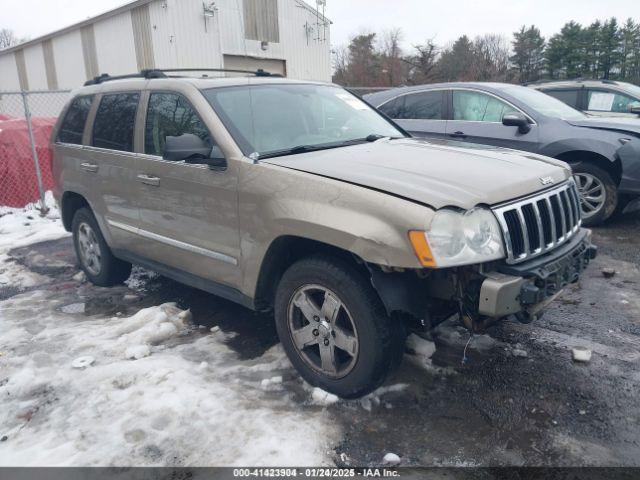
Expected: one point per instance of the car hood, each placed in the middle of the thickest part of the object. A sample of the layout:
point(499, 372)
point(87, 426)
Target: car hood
point(619, 124)
point(435, 173)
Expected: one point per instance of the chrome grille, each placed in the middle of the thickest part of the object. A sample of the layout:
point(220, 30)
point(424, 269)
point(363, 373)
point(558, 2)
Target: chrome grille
point(539, 223)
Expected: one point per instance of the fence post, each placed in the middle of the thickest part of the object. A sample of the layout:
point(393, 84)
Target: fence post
point(34, 153)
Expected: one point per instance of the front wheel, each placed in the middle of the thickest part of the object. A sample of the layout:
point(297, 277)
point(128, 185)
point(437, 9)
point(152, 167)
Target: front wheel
point(598, 193)
point(334, 327)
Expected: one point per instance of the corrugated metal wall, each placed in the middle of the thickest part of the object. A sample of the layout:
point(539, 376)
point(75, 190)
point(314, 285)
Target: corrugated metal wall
point(50, 64)
point(67, 51)
point(115, 44)
point(173, 34)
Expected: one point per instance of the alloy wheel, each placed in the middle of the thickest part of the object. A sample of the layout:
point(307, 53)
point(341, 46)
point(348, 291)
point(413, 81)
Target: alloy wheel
point(322, 330)
point(90, 253)
point(593, 194)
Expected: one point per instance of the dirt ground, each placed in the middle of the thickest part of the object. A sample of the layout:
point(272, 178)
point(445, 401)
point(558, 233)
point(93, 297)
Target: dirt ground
point(518, 400)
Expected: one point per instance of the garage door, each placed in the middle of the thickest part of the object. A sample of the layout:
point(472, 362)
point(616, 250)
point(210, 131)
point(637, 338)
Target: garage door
point(270, 65)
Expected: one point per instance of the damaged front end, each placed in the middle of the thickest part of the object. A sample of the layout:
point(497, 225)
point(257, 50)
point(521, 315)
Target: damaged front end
point(482, 294)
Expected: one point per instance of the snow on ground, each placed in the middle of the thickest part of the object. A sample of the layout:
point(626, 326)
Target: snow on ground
point(148, 389)
point(24, 226)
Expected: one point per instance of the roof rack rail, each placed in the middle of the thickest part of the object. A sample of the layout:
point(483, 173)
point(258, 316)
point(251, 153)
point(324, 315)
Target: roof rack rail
point(151, 73)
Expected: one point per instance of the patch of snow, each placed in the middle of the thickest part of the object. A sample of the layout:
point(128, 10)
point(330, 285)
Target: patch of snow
point(24, 226)
point(136, 352)
point(320, 397)
point(164, 409)
point(391, 459)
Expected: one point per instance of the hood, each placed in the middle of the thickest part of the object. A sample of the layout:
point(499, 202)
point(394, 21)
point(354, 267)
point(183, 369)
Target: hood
point(619, 124)
point(435, 173)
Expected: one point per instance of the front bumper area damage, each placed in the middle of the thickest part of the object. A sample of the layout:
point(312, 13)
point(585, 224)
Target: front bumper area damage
point(526, 289)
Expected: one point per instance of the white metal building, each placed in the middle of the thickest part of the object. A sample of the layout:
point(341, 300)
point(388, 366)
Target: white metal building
point(289, 37)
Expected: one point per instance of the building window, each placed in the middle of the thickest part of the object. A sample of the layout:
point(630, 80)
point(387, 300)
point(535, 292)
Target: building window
point(261, 20)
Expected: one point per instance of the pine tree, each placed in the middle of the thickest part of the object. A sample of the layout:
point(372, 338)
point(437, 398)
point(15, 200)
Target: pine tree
point(609, 42)
point(528, 58)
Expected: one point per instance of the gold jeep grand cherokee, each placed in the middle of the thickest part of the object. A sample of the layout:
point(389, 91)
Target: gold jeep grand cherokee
point(300, 198)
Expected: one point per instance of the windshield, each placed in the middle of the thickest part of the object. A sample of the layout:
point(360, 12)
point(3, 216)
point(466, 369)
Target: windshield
point(543, 103)
point(272, 118)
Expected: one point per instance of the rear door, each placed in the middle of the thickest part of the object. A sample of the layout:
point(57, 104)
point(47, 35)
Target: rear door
point(570, 96)
point(188, 212)
point(419, 113)
point(477, 117)
point(110, 161)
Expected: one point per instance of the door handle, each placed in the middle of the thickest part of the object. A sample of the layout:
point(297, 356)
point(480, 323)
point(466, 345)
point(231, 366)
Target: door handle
point(458, 134)
point(89, 167)
point(149, 180)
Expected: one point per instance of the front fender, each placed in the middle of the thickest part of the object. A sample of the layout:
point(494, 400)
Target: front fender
point(276, 202)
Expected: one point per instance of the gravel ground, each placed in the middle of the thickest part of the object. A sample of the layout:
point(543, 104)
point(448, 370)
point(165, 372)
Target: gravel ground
point(518, 400)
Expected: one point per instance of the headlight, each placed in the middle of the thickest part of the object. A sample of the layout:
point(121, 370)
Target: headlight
point(459, 238)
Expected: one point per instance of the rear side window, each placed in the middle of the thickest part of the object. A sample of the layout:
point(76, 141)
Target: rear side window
point(170, 115)
point(570, 97)
point(73, 124)
point(422, 106)
point(601, 101)
point(393, 108)
point(115, 120)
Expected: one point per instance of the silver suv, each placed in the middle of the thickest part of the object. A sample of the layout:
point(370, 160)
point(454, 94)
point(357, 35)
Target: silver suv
point(298, 197)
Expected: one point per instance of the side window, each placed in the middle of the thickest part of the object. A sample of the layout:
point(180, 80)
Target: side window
point(570, 97)
point(423, 106)
point(73, 124)
point(170, 115)
point(393, 108)
point(115, 120)
point(478, 107)
point(601, 101)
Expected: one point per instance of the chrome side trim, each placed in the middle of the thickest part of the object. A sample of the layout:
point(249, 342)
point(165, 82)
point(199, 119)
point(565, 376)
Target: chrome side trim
point(174, 243)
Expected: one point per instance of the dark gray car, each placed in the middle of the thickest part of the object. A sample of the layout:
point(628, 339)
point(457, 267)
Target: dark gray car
point(603, 153)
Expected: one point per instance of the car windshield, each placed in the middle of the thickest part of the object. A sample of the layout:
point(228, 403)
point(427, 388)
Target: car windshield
point(543, 103)
point(269, 119)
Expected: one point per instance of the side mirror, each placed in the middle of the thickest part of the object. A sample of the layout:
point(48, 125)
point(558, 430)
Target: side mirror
point(635, 108)
point(192, 149)
point(516, 119)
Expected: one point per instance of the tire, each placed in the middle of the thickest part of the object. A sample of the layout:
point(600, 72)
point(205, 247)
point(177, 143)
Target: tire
point(94, 255)
point(583, 174)
point(379, 341)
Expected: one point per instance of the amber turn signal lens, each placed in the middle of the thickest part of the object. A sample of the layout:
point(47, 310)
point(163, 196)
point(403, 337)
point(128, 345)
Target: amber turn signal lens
point(421, 248)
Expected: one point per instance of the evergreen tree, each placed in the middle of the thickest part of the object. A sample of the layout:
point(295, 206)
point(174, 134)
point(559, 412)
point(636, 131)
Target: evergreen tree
point(609, 43)
point(528, 53)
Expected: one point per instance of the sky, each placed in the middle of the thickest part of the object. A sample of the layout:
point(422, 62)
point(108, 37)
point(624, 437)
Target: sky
point(419, 20)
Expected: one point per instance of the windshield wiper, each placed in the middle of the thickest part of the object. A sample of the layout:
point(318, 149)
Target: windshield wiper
point(322, 146)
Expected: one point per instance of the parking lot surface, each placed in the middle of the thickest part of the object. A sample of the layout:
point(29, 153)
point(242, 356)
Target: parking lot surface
point(519, 399)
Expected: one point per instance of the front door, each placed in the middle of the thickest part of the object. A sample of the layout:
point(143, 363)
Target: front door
point(187, 211)
point(477, 118)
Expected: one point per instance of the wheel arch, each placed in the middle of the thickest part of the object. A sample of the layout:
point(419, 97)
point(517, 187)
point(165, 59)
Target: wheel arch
point(283, 252)
point(575, 157)
point(70, 203)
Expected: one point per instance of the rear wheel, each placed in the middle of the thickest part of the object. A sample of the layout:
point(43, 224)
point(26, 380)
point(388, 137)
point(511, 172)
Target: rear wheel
point(93, 253)
point(334, 328)
point(598, 193)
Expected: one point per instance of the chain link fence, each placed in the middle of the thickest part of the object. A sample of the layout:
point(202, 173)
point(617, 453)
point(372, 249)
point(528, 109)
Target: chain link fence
point(26, 122)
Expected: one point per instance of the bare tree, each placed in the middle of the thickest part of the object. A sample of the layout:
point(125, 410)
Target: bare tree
point(340, 59)
point(8, 38)
point(422, 63)
point(393, 69)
